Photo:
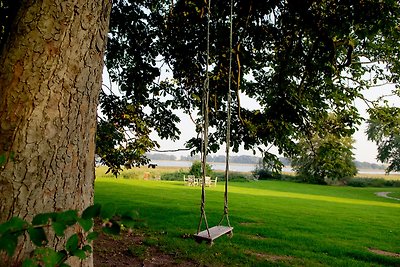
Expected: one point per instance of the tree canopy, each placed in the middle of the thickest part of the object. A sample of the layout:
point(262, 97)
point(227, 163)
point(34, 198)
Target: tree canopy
point(299, 60)
point(325, 156)
point(384, 130)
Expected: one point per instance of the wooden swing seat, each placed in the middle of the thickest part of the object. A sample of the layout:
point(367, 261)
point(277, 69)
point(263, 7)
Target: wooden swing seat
point(215, 232)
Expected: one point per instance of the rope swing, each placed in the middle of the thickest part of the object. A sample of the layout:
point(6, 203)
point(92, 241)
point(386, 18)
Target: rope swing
point(210, 234)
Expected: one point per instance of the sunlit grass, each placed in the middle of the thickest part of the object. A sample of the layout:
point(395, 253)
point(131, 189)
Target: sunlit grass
point(139, 173)
point(276, 223)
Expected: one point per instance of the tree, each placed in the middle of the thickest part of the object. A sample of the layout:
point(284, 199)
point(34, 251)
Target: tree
point(326, 156)
point(299, 59)
point(196, 169)
point(304, 59)
point(384, 129)
point(131, 112)
point(50, 78)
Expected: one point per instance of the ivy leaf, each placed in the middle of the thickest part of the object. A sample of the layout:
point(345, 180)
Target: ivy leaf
point(3, 159)
point(91, 211)
point(68, 217)
point(59, 228)
point(72, 243)
point(64, 219)
point(38, 236)
point(79, 253)
point(86, 224)
point(49, 257)
point(29, 263)
point(92, 236)
point(43, 218)
point(87, 248)
point(15, 224)
point(8, 243)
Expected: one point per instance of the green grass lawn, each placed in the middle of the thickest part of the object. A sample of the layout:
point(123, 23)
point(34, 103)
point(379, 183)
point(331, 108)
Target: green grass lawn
point(276, 223)
point(394, 194)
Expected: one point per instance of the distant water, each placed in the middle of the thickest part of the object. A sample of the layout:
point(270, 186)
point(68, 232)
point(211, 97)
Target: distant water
point(237, 167)
point(218, 166)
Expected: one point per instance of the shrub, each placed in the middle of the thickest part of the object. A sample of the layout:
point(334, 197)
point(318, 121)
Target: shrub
point(195, 169)
point(372, 182)
point(265, 170)
point(233, 177)
point(264, 174)
point(174, 176)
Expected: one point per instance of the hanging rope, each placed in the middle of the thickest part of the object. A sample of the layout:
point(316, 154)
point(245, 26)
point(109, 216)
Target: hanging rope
point(217, 230)
point(228, 119)
point(204, 146)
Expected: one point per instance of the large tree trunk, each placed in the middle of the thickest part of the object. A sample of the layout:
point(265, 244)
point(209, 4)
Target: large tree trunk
point(50, 77)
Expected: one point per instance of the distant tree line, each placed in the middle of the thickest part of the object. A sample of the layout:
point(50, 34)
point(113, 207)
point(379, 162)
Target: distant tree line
point(367, 165)
point(244, 159)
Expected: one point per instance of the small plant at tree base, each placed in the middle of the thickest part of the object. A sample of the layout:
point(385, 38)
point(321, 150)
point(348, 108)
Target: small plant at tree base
point(77, 245)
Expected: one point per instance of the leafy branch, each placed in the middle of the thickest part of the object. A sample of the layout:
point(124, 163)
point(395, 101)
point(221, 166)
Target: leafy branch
point(77, 245)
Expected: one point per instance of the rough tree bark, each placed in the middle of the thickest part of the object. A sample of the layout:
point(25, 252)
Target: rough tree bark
point(50, 77)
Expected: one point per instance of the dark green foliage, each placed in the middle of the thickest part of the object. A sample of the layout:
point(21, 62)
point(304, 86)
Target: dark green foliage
point(76, 245)
point(91, 212)
point(128, 118)
point(37, 236)
point(196, 169)
point(298, 60)
point(43, 256)
point(269, 167)
point(325, 156)
point(233, 177)
point(372, 182)
point(296, 55)
point(174, 176)
point(384, 130)
point(264, 174)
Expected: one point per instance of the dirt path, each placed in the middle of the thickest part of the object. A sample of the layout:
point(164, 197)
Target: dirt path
point(385, 195)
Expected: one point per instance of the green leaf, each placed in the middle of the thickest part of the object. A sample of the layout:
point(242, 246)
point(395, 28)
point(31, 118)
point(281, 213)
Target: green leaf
point(38, 236)
point(86, 224)
point(29, 263)
point(72, 243)
point(3, 159)
point(68, 217)
point(15, 224)
point(92, 236)
point(80, 254)
point(91, 211)
point(8, 243)
point(49, 257)
point(87, 248)
point(43, 218)
point(107, 211)
point(59, 228)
